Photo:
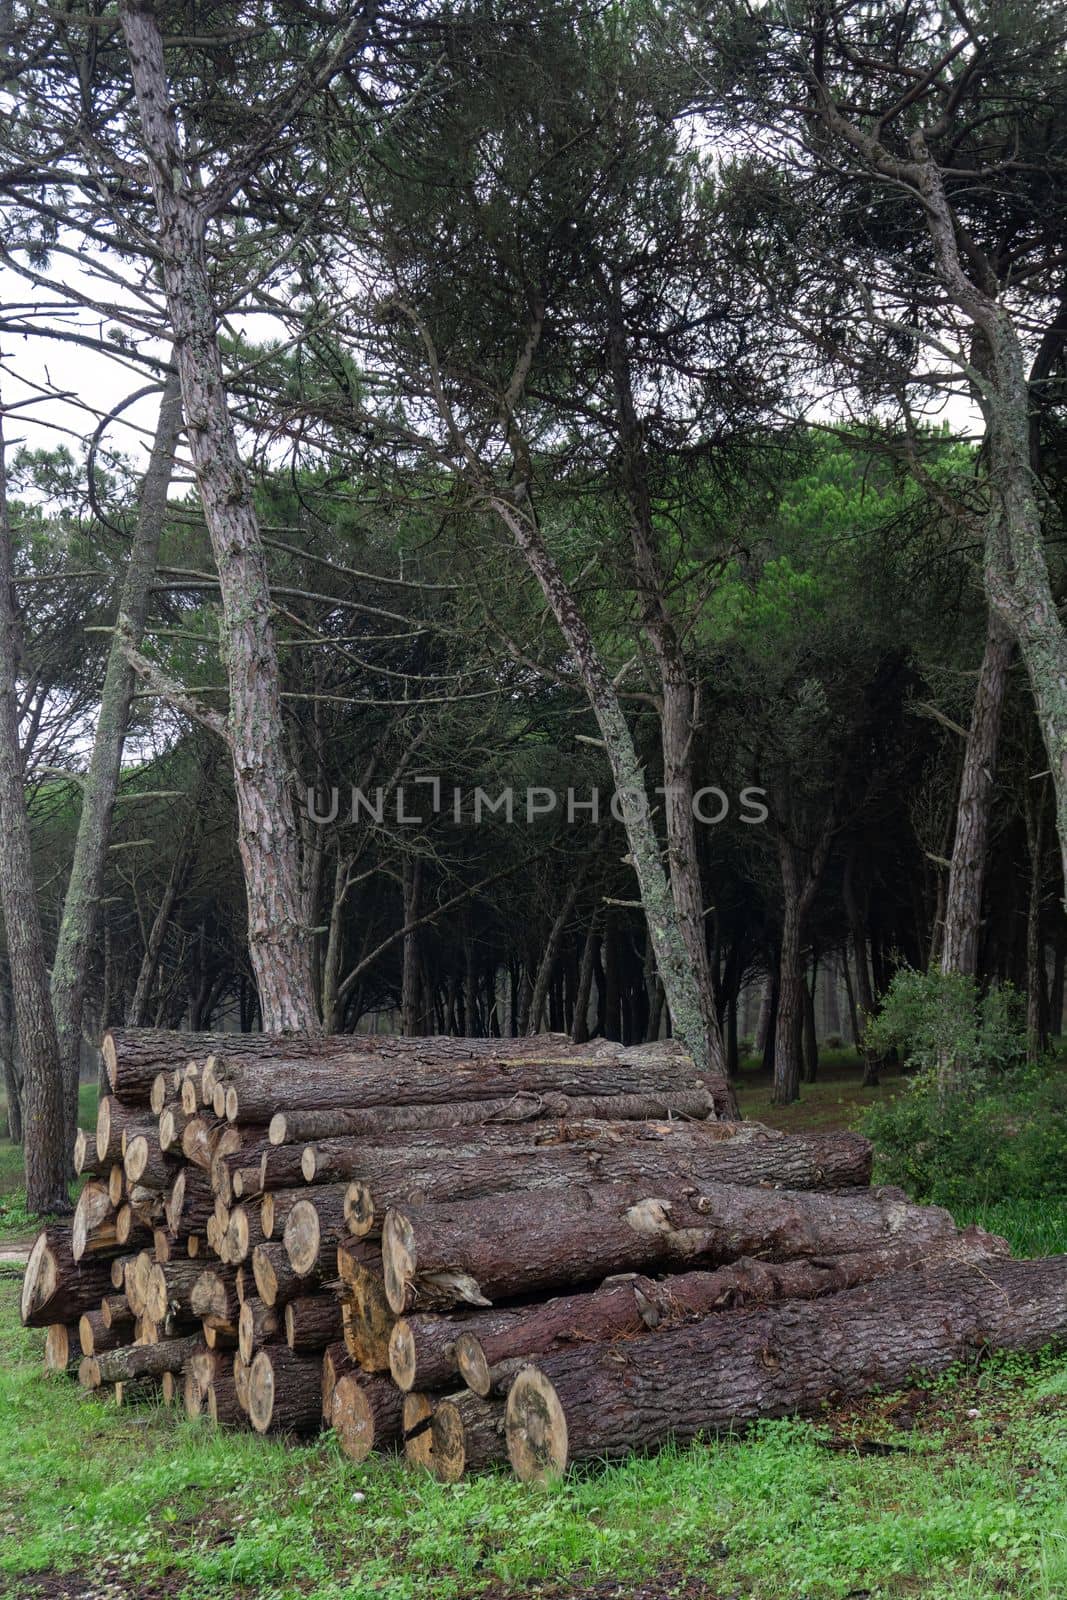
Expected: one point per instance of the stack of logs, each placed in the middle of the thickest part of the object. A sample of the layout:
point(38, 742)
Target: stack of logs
point(483, 1249)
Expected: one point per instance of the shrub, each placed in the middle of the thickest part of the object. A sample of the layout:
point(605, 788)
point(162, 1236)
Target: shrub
point(1001, 1135)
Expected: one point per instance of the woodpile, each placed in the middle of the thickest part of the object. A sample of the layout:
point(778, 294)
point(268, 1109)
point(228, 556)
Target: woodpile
point(491, 1250)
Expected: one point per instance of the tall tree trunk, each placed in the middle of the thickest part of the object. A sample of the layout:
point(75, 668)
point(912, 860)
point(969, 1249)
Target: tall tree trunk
point(963, 904)
point(279, 937)
point(1016, 569)
point(100, 788)
point(580, 1030)
point(677, 711)
point(46, 1157)
point(675, 969)
point(1036, 998)
point(12, 1075)
point(810, 1036)
point(550, 954)
point(137, 1010)
point(1059, 968)
point(791, 987)
point(411, 973)
point(862, 1001)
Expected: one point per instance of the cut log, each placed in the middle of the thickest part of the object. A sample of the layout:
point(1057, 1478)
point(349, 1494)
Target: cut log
point(416, 1428)
point(467, 1435)
point(623, 1308)
point(197, 1141)
point(287, 1127)
point(753, 1157)
point(131, 1234)
point(224, 1409)
point(285, 1391)
point(190, 1202)
point(241, 1371)
point(258, 1324)
point(313, 1321)
point(93, 1230)
point(423, 1349)
point(169, 1288)
point(136, 1361)
point(367, 1414)
point(770, 1361)
point(173, 1122)
point(115, 1311)
point(314, 1228)
point(220, 1335)
point(367, 1319)
point(514, 1244)
point(274, 1275)
point(398, 1072)
point(95, 1335)
point(147, 1164)
point(60, 1348)
point(87, 1163)
point(243, 1232)
point(336, 1364)
point(214, 1294)
point(116, 1120)
point(115, 1178)
point(275, 1207)
point(118, 1271)
point(55, 1287)
point(137, 1274)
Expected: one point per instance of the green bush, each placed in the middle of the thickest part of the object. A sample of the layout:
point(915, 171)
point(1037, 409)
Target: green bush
point(1002, 1134)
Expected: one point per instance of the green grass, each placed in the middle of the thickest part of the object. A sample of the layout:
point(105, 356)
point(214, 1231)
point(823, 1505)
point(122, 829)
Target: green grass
point(967, 1503)
point(16, 1224)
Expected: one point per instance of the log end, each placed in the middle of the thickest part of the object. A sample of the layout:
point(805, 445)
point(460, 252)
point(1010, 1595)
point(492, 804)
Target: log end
point(303, 1237)
point(416, 1427)
point(40, 1279)
point(308, 1161)
point(57, 1350)
point(402, 1355)
point(353, 1419)
point(473, 1366)
point(111, 1058)
point(536, 1428)
point(359, 1210)
point(448, 1448)
point(277, 1131)
point(261, 1392)
point(398, 1261)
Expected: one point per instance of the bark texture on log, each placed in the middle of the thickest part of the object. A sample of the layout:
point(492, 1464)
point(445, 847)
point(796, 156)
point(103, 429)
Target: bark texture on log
point(285, 1391)
point(608, 1400)
point(479, 1251)
point(385, 1077)
point(55, 1287)
point(625, 1308)
point(301, 1125)
point(467, 1435)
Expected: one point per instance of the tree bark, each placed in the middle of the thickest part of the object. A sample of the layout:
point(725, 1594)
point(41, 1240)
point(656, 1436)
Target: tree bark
point(47, 1152)
point(279, 938)
point(607, 1400)
point(622, 1310)
point(963, 904)
point(373, 1124)
point(478, 1251)
point(258, 1089)
point(101, 784)
point(677, 974)
point(55, 1287)
point(802, 1162)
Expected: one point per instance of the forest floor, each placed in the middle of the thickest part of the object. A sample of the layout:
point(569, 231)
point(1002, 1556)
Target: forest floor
point(951, 1490)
